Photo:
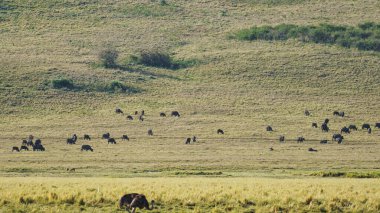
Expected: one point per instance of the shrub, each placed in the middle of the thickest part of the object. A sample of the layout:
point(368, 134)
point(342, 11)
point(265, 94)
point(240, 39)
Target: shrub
point(63, 83)
point(155, 59)
point(115, 87)
point(108, 57)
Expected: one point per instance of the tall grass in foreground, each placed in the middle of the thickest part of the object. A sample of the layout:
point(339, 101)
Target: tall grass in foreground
point(192, 194)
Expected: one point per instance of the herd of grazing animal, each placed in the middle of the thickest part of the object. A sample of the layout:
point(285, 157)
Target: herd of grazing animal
point(35, 146)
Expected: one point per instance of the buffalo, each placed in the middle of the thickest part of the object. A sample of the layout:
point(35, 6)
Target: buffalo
point(314, 125)
point(106, 136)
point(269, 129)
point(220, 131)
point(86, 148)
point(24, 148)
point(111, 141)
point(175, 114)
point(366, 126)
point(352, 127)
point(345, 130)
point(87, 137)
point(15, 148)
point(125, 137)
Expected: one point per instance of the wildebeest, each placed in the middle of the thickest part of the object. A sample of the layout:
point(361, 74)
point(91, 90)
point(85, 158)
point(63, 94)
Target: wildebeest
point(141, 118)
point(86, 148)
point(323, 142)
point(352, 127)
point(142, 112)
point(336, 113)
point(175, 114)
point(314, 125)
point(74, 137)
point(219, 131)
point(118, 111)
point(312, 150)
point(269, 128)
point(24, 148)
point(369, 130)
point(29, 143)
point(150, 132)
point(106, 136)
point(136, 112)
point(366, 126)
point(188, 140)
point(194, 139)
point(133, 201)
point(324, 127)
point(345, 130)
point(300, 139)
point(111, 141)
point(129, 117)
point(87, 137)
point(125, 137)
point(336, 136)
point(339, 140)
point(341, 114)
point(70, 141)
point(326, 121)
point(24, 142)
point(38, 142)
point(377, 125)
point(282, 139)
point(162, 114)
point(38, 148)
point(15, 148)
point(307, 113)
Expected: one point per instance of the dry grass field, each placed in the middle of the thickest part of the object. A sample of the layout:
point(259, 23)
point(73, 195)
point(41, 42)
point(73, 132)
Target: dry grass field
point(238, 86)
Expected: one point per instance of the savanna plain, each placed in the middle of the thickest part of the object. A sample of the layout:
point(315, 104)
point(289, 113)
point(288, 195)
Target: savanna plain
point(54, 83)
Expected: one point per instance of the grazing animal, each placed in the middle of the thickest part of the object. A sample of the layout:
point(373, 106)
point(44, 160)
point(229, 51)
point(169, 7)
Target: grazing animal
point(74, 137)
point(369, 130)
point(336, 113)
point(86, 148)
point(38, 148)
point(70, 141)
point(220, 131)
point(323, 142)
point(29, 143)
point(133, 201)
point(314, 125)
point(15, 148)
point(162, 114)
point(326, 121)
point(341, 114)
point(24, 148)
point(106, 136)
point(141, 118)
point(142, 112)
point(377, 125)
point(339, 140)
point(312, 150)
point(300, 139)
point(324, 127)
point(175, 114)
point(336, 136)
point(129, 117)
point(87, 137)
point(70, 169)
point(111, 141)
point(119, 111)
point(24, 142)
point(188, 140)
point(194, 139)
point(136, 112)
point(282, 139)
point(150, 132)
point(352, 127)
point(271, 149)
point(307, 113)
point(125, 137)
point(269, 129)
point(38, 142)
point(345, 130)
point(366, 126)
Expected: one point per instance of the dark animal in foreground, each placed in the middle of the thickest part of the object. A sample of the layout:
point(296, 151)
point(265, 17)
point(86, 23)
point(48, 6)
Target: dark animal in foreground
point(312, 150)
point(188, 140)
point(38, 142)
point(150, 132)
point(118, 111)
point(194, 139)
point(352, 127)
point(220, 131)
point(38, 148)
point(86, 148)
point(366, 126)
point(314, 125)
point(162, 114)
point(323, 142)
point(24, 148)
point(307, 113)
point(175, 114)
point(335, 136)
point(324, 127)
point(377, 125)
point(125, 137)
point(282, 139)
point(300, 139)
point(111, 141)
point(15, 148)
point(106, 136)
point(269, 129)
point(86, 137)
point(70, 141)
point(129, 117)
point(133, 201)
point(345, 130)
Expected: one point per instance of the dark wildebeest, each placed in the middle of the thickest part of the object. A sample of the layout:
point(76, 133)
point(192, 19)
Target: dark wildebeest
point(29, 143)
point(150, 132)
point(352, 127)
point(142, 112)
point(326, 121)
point(106, 136)
point(336, 113)
point(70, 141)
point(324, 127)
point(339, 140)
point(312, 150)
point(38, 142)
point(194, 139)
point(86, 148)
point(336, 136)
point(369, 130)
point(282, 139)
point(377, 125)
point(314, 125)
point(345, 130)
point(220, 131)
point(74, 137)
point(269, 128)
point(118, 111)
point(136, 112)
point(24, 148)
point(323, 142)
point(111, 141)
point(86, 137)
point(125, 137)
point(38, 148)
point(141, 118)
point(129, 117)
point(300, 139)
point(133, 201)
point(188, 140)
point(15, 148)
point(24, 142)
point(162, 114)
point(307, 113)
point(341, 114)
point(366, 126)
point(175, 114)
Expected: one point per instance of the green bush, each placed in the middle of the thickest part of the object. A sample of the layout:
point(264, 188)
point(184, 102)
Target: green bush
point(108, 58)
point(63, 83)
point(114, 87)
